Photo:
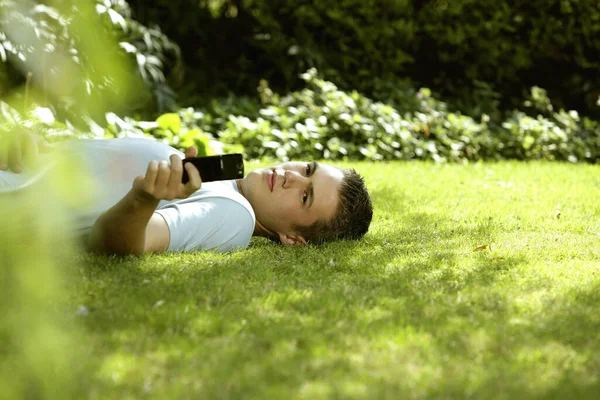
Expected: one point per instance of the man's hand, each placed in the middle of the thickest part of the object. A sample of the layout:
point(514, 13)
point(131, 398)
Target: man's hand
point(20, 149)
point(163, 181)
point(123, 228)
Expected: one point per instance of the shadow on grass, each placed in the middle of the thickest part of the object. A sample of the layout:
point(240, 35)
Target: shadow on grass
point(387, 314)
point(564, 335)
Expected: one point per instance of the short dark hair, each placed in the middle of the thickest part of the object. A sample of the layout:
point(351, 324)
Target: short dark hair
point(353, 215)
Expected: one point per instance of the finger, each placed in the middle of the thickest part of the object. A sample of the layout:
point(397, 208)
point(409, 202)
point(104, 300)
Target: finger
point(176, 174)
point(30, 150)
point(150, 178)
point(162, 180)
point(139, 183)
point(191, 152)
point(3, 156)
point(15, 156)
point(195, 182)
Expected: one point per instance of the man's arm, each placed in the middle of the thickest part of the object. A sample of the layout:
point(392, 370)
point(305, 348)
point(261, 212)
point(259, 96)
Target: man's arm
point(125, 228)
point(131, 226)
point(158, 235)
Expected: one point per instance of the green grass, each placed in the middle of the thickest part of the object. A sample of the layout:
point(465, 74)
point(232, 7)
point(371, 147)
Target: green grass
point(411, 311)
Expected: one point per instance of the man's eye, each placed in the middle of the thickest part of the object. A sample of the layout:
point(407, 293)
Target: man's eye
point(307, 169)
point(304, 197)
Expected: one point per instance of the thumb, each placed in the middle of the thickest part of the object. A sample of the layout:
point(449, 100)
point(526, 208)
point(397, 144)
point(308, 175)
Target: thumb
point(191, 152)
point(138, 182)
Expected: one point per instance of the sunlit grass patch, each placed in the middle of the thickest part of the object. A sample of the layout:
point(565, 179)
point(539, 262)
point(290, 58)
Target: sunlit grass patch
point(469, 284)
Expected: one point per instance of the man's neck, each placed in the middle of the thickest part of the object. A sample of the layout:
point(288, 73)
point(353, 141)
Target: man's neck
point(238, 182)
point(259, 229)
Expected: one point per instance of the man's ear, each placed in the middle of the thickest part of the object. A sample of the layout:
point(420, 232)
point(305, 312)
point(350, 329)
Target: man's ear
point(292, 240)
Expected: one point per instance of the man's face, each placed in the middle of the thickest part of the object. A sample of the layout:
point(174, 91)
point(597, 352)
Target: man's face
point(293, 193)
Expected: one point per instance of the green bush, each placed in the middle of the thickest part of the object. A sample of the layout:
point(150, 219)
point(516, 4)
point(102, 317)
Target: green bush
point(482, 59)
point(323, 122)
point(544, 133)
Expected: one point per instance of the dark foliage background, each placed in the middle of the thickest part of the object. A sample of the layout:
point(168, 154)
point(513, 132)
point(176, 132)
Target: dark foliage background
point(478, 55)
point(438, 80)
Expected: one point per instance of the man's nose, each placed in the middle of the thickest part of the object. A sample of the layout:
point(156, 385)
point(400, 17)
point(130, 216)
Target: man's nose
point(291, 178)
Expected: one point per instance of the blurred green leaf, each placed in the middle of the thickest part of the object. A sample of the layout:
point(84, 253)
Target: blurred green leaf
point(170, 122)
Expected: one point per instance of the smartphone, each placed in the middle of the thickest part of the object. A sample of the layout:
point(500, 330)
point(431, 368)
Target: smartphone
point(216, 168)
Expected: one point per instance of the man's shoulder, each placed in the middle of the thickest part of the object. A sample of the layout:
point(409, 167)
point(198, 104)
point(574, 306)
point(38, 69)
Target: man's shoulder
point(224, 190)
point(215, 217)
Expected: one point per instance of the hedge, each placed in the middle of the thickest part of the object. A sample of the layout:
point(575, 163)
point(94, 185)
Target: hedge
point(481, 57)
point(322, 121)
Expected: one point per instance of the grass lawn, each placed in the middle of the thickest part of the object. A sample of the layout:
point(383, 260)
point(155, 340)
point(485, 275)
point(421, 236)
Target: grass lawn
point(477, 281)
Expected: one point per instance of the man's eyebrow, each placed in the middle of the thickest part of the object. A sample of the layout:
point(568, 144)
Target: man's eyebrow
point(311, 188)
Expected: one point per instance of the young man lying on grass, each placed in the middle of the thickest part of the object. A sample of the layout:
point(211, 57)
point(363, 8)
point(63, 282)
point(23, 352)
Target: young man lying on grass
point(141, 205)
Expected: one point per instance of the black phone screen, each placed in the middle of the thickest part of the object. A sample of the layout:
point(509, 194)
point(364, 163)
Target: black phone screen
point(216, 168)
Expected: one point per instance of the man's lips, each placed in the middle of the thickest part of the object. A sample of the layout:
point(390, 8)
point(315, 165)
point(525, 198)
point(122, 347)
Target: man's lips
point(271, 180)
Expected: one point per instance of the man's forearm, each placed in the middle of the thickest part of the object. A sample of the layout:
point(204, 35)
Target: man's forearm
point(122, 229)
